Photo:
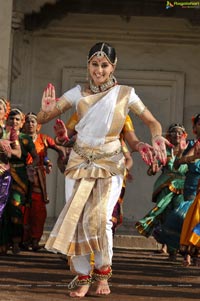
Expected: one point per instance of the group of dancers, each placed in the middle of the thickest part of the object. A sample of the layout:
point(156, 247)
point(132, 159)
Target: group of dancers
point(23, 165)
point(96, 162)
point(174, 221)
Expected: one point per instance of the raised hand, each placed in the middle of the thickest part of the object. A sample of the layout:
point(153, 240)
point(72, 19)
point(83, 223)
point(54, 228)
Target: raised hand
point(49, 98)
point(61, 131)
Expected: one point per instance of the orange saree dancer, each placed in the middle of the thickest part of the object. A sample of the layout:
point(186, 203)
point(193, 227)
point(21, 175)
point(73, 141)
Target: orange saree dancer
point(35, 215)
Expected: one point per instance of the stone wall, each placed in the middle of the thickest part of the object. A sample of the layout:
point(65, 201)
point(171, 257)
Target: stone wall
point(6, 43)
point(158, 56)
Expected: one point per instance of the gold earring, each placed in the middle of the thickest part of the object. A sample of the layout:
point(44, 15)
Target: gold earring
point(111, 76)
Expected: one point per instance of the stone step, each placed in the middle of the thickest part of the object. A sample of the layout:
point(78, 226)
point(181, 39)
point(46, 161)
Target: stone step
point(124, 241)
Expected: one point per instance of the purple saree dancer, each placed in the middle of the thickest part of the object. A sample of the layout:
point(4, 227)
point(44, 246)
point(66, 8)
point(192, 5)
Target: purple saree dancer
point(8, 145)
point(5, 177)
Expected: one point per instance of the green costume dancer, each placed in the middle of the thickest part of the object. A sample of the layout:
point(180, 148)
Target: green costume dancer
point(167, 191)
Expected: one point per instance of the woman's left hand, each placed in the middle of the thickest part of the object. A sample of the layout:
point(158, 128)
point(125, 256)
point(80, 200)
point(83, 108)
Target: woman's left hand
point(159, 145)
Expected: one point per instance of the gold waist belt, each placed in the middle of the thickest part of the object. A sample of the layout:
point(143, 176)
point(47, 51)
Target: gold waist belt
point(90, 156)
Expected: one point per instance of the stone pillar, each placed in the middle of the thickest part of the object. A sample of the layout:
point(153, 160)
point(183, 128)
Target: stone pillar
point(5, 42)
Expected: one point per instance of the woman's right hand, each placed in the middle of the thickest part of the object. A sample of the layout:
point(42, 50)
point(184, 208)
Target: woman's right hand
point(49, 98)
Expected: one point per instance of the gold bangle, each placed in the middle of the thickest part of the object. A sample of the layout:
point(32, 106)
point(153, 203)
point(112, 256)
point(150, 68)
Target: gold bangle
point(138, 145)
point(16, 142)
point(155, 136)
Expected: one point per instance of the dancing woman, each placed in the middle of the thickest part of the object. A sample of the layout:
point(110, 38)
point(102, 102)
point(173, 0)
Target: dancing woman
point(190, 234)
point(96, 166)
point(9, 145)
point(35, 215)
point(20, 194)
point(164, 220)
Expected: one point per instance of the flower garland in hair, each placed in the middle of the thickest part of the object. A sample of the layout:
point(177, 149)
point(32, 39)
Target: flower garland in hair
point(184, 135)
point(6, 104)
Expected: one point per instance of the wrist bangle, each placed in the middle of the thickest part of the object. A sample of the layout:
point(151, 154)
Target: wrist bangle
point(155, 136)
point(62, 142)
point(138, 144)
point(16, 142)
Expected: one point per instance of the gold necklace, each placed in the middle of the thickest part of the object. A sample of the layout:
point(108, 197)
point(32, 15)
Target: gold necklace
point(105, 86)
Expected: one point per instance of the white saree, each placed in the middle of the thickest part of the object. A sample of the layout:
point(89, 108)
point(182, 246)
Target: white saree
point(84, 225)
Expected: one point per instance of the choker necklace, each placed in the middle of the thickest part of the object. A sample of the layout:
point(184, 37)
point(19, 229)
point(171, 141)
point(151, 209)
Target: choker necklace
point(105, 86)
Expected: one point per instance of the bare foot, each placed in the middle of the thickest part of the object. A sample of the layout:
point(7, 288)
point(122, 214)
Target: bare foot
point(102, 288)
point(80, 292)
point(187, 260)
point(163, 249)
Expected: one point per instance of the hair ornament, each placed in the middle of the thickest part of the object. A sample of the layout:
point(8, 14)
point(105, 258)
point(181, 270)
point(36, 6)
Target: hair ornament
point(176, 126)
point(105, 51)
point(30, 115)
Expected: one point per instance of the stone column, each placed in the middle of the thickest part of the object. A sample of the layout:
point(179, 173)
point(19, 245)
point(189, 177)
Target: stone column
point(5, 42)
